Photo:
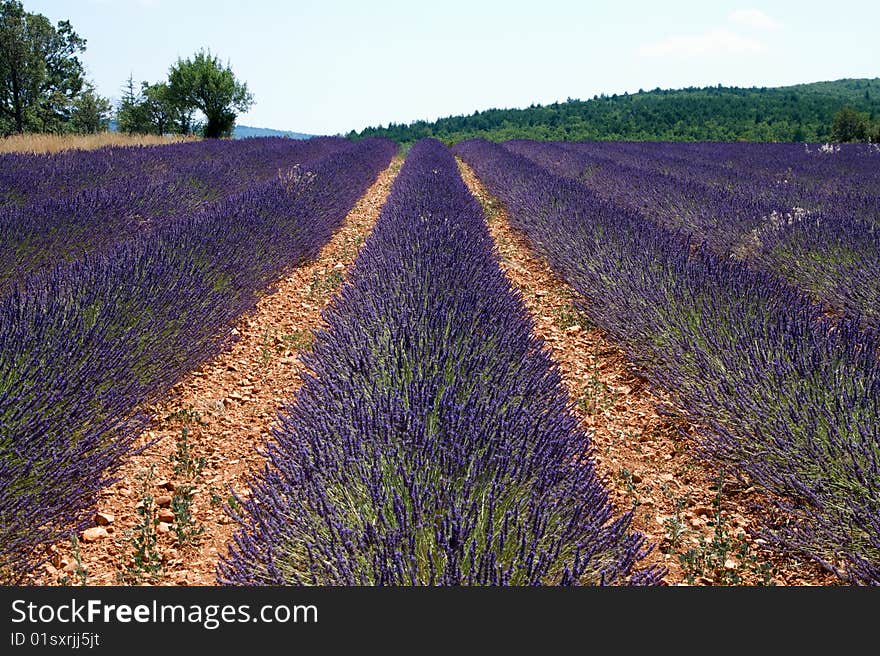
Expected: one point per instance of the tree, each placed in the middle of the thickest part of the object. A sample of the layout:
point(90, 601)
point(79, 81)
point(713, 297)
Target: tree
point(91, 112)
point(40, 74)
point(849, 125)
point(131, 116)
point(164, 112)
point(64, 78)
point(152, 110)
point(160, 110)
point(202, 83)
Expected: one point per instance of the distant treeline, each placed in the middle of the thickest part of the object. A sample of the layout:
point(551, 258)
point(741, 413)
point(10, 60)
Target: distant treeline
point(805, 112)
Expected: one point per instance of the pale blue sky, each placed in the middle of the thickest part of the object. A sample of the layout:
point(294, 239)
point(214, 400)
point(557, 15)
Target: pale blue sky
point(328, 67)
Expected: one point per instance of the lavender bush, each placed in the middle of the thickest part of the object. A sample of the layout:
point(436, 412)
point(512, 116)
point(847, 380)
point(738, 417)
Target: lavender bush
point(433, 444)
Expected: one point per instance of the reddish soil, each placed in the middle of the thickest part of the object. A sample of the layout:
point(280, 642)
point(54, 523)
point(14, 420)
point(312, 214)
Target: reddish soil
point(225, 409)
point(648, 464)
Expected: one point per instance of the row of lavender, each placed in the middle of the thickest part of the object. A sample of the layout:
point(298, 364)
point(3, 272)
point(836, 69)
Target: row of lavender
point(797, 173)
point(814, 219)
point(787, 398)
point(27, 178)
point(95, 199)
point(84, 345)
point(433, 444)
point(822, 230)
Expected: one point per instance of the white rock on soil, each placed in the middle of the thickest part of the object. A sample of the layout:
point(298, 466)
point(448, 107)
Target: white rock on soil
point(94, 534)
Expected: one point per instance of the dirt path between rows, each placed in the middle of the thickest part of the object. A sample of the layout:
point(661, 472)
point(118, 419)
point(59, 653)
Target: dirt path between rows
point(164, 522)
point(701, 536)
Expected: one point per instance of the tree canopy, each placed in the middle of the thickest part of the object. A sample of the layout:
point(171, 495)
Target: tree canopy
point(203, 83)
point(90, 111)
point(198, 84)
point(850, 125)
point(43, 86)
point(797, 113)
point(42, 83)
point(152, 110)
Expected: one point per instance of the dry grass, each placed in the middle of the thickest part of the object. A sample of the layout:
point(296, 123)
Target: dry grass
point(53, 143)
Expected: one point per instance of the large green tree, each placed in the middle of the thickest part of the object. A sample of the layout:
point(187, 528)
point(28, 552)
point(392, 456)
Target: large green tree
point(850, 125)
point(91, 112)
point(152, 110)
point(131, 115)
point(41, 77)
point(160, 108)
point(203, 83)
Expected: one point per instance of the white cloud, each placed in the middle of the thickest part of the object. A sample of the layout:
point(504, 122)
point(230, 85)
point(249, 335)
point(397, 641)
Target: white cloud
point(709, 43)
point(753, 18)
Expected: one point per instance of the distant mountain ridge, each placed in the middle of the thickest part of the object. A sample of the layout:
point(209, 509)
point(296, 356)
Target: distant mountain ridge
point(802, 112)
point(244, 131)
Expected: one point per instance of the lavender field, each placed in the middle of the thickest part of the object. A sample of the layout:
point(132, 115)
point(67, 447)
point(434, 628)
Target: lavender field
point(433, 439)
point(117, 292)
point(773, 349)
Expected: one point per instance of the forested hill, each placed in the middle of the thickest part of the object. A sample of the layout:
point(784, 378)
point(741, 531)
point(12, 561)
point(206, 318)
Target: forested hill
point(802, 112)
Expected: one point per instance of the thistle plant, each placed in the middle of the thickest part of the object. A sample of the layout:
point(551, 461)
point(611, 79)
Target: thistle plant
point(185, 527)
point(146, 558)
point(79, 568)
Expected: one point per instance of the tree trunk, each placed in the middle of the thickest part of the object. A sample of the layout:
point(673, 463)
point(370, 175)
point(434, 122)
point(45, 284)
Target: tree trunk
point(212, 128)
point(16, 103)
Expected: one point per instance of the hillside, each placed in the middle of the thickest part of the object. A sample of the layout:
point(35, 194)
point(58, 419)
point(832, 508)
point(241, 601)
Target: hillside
point(802, 112)
point(242, 131)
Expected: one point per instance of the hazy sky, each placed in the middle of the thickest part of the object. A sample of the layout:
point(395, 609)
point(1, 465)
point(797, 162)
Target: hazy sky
point(328, 67)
